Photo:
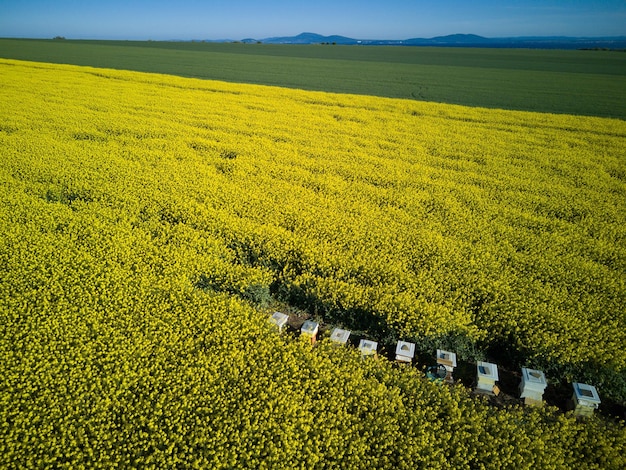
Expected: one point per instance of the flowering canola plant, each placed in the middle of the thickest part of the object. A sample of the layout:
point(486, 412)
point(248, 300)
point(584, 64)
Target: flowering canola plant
point(145, 218)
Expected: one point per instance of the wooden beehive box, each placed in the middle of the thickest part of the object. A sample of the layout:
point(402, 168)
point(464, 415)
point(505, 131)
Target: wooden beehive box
point(405, 351)
point(279, 319)
point(339, 336)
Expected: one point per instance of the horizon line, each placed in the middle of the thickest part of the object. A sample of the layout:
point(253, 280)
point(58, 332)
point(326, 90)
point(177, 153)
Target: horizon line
point(623, 36)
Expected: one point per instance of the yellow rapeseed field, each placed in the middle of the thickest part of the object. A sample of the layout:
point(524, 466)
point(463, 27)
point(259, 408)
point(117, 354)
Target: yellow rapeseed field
point(147, 221)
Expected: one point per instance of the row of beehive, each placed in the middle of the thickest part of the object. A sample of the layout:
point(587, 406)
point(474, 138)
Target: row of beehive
point(585, 398)
point(532, 387)
point(310, 329)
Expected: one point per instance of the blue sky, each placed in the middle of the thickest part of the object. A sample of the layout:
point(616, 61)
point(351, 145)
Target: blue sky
point(361, 19)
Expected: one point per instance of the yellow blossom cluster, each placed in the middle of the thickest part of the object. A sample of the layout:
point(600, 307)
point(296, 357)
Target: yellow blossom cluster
point(145, 218)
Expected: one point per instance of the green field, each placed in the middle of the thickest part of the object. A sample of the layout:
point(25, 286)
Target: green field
point(554, 81)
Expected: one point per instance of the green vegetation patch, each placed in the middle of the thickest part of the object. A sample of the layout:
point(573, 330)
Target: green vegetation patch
point(552, 81)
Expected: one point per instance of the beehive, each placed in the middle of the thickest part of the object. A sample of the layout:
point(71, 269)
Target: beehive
point(279, 319)
point(585, 398)
point(487, 375)
point(405, 351)
point(309, 329)
point(368, 348)
point(532, 387)
point(339, 336)
point(448, 360)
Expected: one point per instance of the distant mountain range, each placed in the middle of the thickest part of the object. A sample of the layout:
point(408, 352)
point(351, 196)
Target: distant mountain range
point(457, 40)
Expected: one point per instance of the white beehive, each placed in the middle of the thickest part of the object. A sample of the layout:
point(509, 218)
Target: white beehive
point(309, 329)
point(448, 360)
point(339, 336)
point(532, 387)
point(368, 348)
point(279, 319)
point(585, 398)
point(487, 374)
point(405, 351)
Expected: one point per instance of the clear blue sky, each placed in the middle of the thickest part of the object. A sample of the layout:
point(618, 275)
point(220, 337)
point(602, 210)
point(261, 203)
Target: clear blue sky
point(361, 19)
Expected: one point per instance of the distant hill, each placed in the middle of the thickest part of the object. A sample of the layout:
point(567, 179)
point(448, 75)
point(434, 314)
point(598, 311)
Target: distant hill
point(310, 38)
point(457, 40)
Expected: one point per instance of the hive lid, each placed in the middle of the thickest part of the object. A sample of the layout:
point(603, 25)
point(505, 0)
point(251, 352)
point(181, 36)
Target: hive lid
point(534, 376)
point(487, 370)
point(309, 327)
point(446, 357)
point(368, 347)
point(405, 349)
point(339, 336)
point(586, 393)
point(279, 319)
